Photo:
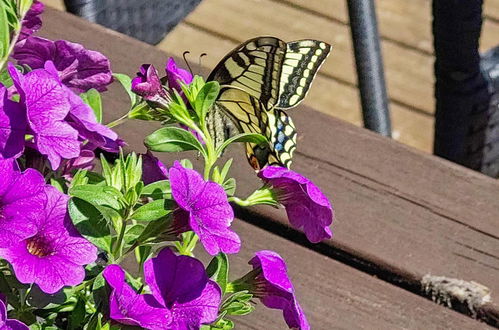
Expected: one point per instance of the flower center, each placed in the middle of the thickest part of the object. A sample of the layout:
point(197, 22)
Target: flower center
point(39, 246)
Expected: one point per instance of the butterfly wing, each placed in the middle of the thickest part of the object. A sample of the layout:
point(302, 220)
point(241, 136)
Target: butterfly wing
point(236, 112)
point(279, 74)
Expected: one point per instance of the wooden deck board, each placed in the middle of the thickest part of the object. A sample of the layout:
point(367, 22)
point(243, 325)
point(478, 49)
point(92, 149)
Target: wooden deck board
point(326, 95)
point(395, 207)
point(407, 22)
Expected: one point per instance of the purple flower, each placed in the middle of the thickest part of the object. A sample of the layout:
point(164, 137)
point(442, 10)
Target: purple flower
point(22, 201)
point(78, 68)
point(180, 284)
point(12, 126)
point(9, 324)
point(31, 21)
point(46, 103)
point(55, 254)
point(204, 205)
point(152, 169)
point(270, 283)
point(307, 207)
point(175, 75)
point(147, 83)
point(128, 307)
point(85, 161)
point(82, 118)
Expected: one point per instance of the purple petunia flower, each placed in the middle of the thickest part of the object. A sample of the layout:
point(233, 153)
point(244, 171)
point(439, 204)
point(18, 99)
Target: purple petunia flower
point(82, 118)
point(9, 324)
point(270, 283)
point(204, 205)
point(175, 75)
point(147, 83)
point(78, 68)
point(31, 21)
point(307, 207)
point(22, 201)
point(55, 254)
point(12, 126)
point(46, 103)
point(128, 307)
point(152, 169)
point(180, 283)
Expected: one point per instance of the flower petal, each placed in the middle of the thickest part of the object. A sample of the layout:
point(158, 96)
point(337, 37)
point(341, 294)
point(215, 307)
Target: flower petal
point(128, 307)
point(12, 126)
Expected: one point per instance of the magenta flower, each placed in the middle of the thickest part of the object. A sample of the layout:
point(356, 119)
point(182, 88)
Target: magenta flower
point(12, 126)
point(31, 21)
point(204, 205)
point(22, 201)
point(55, 255)
point(270, 283)
point(128, 307)
point(47, 105)
point(9, 324)
point(78, 68)
point(175, 75)
point(152, 169)
point(147, 83)
point(82, 118)
point(307, 207)
point(181, 285)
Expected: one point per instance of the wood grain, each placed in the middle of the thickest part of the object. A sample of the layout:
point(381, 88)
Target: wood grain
point(405, 22)
point(405, 211)
point(326, 95)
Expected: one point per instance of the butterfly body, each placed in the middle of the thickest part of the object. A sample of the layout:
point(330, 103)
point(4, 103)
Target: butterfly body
point(259, 79)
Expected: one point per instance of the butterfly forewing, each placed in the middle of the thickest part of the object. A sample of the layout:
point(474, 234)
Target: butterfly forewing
point(302, 61)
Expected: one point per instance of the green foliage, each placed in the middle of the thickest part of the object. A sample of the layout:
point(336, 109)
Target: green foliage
point(173, 139)
point(218, 270)
point(93, 99)
point(126, 82)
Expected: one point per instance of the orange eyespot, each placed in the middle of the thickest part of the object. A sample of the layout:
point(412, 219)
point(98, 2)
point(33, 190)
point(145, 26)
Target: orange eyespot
point(254, 163)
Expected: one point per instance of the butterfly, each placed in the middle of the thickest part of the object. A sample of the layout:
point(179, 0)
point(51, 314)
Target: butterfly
point(260, 79)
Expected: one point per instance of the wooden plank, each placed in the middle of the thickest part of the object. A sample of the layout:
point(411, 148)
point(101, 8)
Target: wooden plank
point(404, 22)
point(409, 73)
point(334, 295)
point(326, 95)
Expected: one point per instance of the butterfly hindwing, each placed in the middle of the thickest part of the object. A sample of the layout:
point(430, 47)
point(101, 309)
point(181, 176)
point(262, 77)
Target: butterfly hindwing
point(238, 112)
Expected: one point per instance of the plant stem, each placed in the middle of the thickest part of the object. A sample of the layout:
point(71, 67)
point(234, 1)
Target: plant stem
point(118, 121)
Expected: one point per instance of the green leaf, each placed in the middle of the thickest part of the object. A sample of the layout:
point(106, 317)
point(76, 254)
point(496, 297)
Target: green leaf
point(126, 82)
point(238, 304)
point(218, 270)
point(90, 223)
point(59, 184)
point(4, 32)
point(154, 229)
point(93, 99)
point(205, 98)
point(142, 111)
point(157, 190)
point(244, 137)
point(98, 195)
point(173, 139)
point(5, 78)
point(225, 170)
point(77, 315)
point(153, 210)
point(230, 186)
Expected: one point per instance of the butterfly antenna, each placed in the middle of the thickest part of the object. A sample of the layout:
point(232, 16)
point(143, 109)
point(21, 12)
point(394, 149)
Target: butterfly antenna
point(200, 57)
point(184, 55)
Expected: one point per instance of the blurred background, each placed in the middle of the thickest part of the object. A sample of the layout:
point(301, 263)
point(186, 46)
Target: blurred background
point(405, 27)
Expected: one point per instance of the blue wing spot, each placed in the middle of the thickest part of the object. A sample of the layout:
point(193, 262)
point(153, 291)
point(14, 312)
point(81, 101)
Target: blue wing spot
point(278, 147)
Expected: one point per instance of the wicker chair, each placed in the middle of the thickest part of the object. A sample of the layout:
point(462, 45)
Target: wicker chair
point(146, 20)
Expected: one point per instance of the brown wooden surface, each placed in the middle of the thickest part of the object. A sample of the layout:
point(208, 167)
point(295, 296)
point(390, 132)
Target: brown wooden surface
point(403, 210)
